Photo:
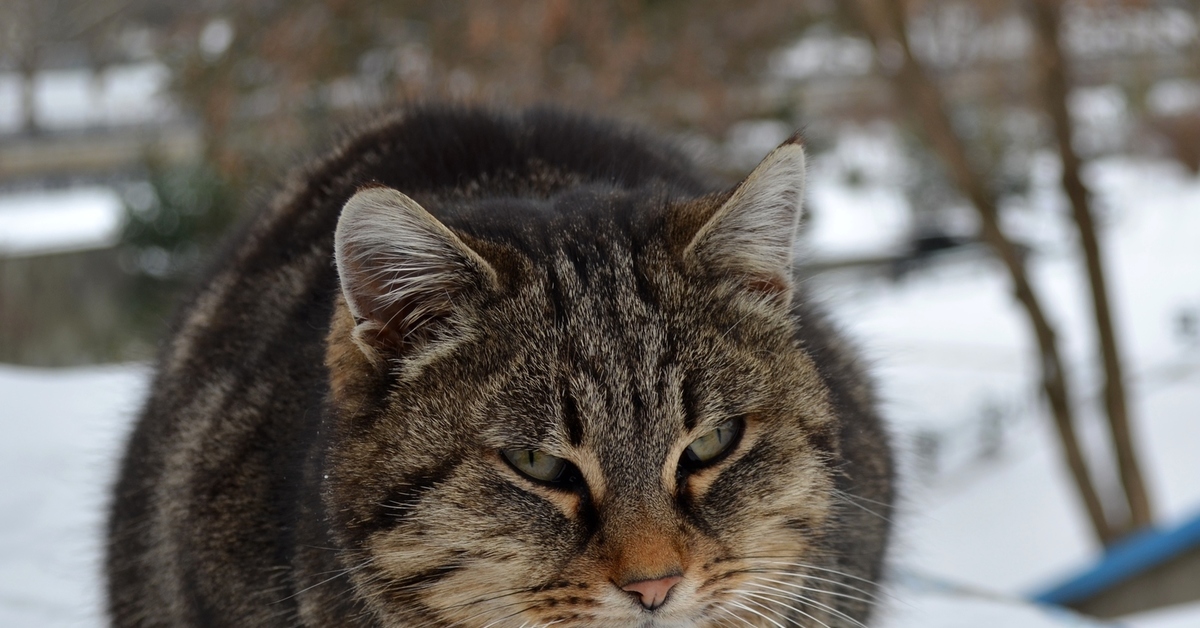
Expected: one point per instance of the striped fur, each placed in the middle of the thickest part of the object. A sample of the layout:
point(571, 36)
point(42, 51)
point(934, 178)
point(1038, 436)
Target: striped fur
point(321, 443)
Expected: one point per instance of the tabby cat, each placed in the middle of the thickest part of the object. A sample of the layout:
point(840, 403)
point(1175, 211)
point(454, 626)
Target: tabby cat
point(506, 370)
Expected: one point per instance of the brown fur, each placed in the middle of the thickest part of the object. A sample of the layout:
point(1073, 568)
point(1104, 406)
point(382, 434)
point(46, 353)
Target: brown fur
point(324, 450)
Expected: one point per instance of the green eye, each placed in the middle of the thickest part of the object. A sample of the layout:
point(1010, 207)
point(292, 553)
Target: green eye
point(710, 447)
point(540, 466)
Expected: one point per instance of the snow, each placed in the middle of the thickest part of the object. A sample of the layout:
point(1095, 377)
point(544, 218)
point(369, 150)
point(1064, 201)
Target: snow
point(823, 54)
point(48, 221)
point(78, 98)
point(60, 436)
point(956, 34)
point(934, 604)
point(1174, 97)
point(870, 218)
point(954, 358)
point(988, 515)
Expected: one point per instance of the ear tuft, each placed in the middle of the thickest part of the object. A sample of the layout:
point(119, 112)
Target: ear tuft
point(403, 273)
point(751, 236)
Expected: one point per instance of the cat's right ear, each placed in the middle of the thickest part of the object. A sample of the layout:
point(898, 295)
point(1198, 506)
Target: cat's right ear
point(403, 273)
point(750, 237)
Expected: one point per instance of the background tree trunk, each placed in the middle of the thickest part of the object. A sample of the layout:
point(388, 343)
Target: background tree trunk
point(29, 121)
point(1051, 62)
point(884, 23)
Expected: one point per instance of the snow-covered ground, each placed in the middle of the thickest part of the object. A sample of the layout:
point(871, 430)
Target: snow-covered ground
point(988, 515)
point(60, 437)
point(52, 221)
point(132, 93)
point(989, 505)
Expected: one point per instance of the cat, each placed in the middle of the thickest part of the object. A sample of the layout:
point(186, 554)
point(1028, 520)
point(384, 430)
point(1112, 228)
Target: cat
point(505, 369)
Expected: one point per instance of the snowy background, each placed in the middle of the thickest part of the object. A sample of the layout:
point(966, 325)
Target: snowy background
point(988, 515)
point(989, 520)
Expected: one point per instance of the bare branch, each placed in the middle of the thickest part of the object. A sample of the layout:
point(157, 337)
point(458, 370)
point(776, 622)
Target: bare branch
point(1052, 63)
point(884, 21)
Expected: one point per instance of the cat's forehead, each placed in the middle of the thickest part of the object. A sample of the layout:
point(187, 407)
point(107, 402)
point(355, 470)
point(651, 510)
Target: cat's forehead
point(611, 367)
point(581, 220)
point(612, 345)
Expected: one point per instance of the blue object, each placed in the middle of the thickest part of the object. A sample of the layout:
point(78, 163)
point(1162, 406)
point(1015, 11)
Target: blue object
point(1124, 560)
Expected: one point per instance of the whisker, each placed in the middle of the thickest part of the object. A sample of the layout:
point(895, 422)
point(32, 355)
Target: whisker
point(432, 622)
point(336, 574)
point(808, 566)
point(779, 572)
point(863, 499)
point(808, 600)
point(735, 616)
point(847, 498)
point(510, 615)
point(874, 598)
point(721, 620)
point(498, 595)
point(744, 607)
point(815, 567)
point(788, 606)
point(814, 589)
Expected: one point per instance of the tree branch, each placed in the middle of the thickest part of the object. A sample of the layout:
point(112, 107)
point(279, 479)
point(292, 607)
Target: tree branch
point(884, 22)
point(1046, 16)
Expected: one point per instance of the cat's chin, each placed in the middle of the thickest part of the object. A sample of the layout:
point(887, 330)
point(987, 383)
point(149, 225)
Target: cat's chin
point(711, 620)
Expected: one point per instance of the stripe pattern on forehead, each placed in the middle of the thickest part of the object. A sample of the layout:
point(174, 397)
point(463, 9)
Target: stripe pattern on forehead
point(615, 357)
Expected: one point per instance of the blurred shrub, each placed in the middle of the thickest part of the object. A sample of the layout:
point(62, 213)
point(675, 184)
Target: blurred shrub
point(172, 222)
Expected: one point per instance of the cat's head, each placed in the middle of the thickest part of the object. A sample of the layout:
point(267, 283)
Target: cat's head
point(585, 411)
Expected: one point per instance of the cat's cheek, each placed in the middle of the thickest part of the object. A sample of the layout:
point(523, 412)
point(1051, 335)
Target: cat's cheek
point(455, 549)
point(568, 504)
point(768, 487)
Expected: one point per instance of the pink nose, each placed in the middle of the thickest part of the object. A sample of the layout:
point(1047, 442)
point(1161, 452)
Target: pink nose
point(653, 592)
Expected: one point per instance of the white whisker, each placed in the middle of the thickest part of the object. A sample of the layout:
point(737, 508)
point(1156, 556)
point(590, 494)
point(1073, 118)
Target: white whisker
point(874, 598)
point(336, 574)
point(744, 607)
point(788, 606)
point(735, 616)
point(808, 600)
point(813, 589)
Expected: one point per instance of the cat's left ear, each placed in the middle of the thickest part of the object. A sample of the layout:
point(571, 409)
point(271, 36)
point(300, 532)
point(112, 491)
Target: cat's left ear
point(750, 238)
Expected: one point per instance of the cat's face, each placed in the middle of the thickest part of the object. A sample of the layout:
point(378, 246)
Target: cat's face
point(611, 426)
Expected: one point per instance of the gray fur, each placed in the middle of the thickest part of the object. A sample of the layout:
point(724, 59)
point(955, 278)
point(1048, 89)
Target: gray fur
point(322, 449)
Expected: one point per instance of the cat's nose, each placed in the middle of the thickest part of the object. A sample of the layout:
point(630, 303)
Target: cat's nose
point(653, 592)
